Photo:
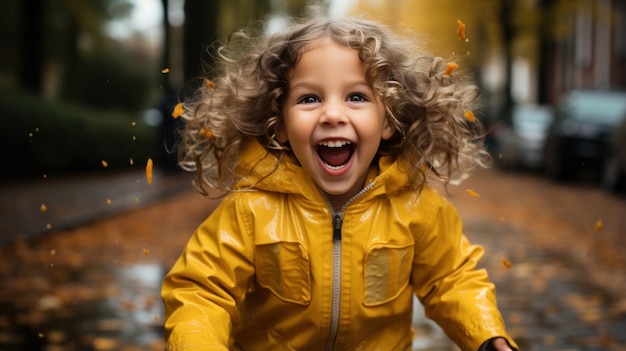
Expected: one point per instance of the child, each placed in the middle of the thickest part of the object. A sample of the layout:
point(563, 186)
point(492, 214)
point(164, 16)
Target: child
point(323, 137)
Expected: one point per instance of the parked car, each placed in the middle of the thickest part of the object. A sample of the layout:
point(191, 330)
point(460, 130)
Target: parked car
point(614, 174)
point(578, 139)
point(520, 136)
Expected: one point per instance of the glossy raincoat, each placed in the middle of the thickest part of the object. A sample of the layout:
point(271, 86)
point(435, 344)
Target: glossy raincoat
point(275, 268)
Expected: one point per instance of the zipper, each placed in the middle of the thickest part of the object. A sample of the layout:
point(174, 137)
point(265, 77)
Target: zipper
point(335, 306)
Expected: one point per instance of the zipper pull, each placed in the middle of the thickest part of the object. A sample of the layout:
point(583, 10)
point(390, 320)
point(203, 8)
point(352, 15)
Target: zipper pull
point(337, 222)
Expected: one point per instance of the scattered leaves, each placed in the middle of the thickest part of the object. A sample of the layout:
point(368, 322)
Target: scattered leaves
point(178, 110)
point(460, 30)
point(149, 166)
point(450, 68)
point(469, 115)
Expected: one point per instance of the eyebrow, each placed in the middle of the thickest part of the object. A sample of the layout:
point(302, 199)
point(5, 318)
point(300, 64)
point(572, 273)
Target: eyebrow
point(311, 85)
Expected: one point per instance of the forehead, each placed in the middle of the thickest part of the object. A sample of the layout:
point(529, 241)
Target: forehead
point(327, 54)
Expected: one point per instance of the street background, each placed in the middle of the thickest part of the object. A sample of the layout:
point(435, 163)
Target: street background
point(86, 94)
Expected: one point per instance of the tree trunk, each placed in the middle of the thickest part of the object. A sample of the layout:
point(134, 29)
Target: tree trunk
point(31, 42)
point(201, 27)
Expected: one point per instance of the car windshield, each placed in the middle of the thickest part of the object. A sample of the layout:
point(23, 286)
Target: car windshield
point(603, 108)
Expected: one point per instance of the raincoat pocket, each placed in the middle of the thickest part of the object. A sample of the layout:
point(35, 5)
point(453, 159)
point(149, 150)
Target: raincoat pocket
point(283, 268)
point(387, 271)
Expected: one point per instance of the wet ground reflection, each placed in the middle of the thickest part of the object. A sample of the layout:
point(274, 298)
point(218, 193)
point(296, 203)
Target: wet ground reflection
point(83, 309)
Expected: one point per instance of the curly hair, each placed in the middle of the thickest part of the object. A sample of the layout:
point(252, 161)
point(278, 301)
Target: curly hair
point(244, 103)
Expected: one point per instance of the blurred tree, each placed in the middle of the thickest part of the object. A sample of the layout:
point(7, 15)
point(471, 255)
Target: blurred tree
point(31, 40)
point(52, 36)
point(207, 23)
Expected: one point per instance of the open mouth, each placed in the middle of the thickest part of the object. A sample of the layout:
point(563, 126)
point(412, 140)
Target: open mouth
point(335, 154)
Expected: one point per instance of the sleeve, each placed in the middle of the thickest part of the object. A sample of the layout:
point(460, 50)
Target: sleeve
point(201, 292)
point(455, 294)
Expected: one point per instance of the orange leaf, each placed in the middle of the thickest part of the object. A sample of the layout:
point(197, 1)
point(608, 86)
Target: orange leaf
point(470, 116)
point(472, 193)
point(506, 263)
point(450, 68)
point(460, 30)
point(207, 133)
point(149, 166)
point(178, 110)
point(209, 84)
point(599, 225)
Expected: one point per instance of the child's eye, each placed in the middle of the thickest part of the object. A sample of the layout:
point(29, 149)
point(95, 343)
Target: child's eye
point(357, 98)
point(309, 99)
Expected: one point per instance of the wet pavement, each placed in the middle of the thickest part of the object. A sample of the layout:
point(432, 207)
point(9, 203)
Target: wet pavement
point(85, 274)
point(72, 200)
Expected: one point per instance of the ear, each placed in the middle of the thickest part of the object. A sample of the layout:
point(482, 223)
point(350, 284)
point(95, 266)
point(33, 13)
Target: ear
point(388, 130)
point(281, 132)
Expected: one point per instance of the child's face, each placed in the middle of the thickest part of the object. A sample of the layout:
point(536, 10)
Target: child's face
point(333, 119)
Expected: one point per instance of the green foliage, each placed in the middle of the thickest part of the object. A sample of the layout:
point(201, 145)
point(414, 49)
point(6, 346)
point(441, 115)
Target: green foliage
point(40, 137)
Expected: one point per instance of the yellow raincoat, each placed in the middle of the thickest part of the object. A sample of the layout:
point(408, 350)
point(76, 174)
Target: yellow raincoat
point(275, 269)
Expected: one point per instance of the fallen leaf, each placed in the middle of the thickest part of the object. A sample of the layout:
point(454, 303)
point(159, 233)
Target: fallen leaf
point(209, 84)
point(178, 110)
point(472, 193)
point(450, 68)
point(149, 166)
point(599, 225)
point(469, 115)
point(207, 133)
point(460, 30)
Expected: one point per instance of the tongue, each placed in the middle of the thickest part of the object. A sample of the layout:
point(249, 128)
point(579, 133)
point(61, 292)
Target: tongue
point(335, 156)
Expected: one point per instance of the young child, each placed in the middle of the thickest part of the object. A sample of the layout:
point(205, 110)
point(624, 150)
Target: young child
point(323, 137)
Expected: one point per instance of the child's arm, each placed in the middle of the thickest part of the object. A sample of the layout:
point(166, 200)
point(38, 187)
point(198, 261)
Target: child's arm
point(459, 297)
point(202, 290)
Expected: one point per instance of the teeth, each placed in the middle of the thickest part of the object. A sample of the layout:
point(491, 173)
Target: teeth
point(337, 143)
point(335, 167)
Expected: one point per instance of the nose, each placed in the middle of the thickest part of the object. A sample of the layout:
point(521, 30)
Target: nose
point(333, 113)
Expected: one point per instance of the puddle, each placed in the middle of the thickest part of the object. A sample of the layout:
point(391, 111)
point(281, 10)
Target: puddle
point(85, 310)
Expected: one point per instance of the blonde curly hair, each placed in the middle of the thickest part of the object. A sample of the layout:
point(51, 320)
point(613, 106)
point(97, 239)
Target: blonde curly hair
point(427, 105)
